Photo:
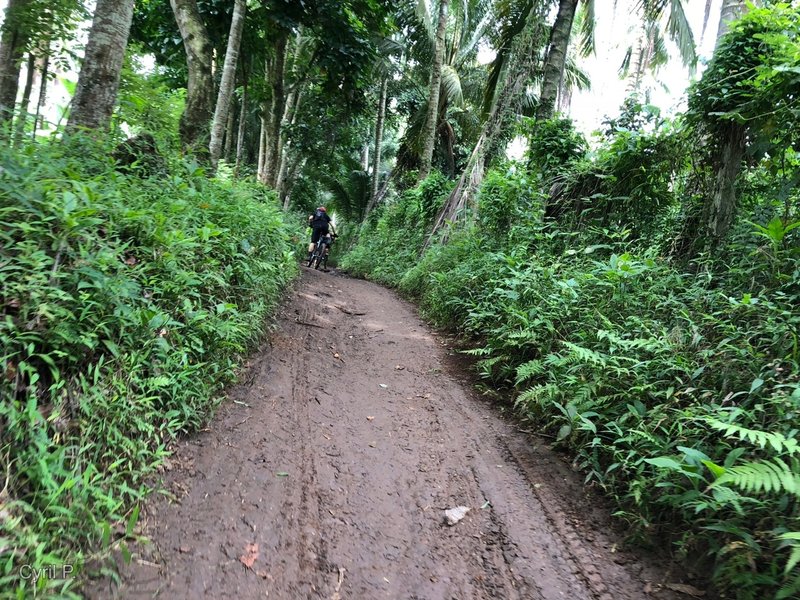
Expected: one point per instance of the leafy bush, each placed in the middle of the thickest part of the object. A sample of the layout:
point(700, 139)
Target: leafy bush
point(126, 304)
point(389, 243)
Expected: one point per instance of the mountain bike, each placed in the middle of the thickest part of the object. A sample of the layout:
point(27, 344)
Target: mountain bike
point(319, 257)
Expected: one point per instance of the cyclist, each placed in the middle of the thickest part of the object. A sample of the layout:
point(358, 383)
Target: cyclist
point(320, 222)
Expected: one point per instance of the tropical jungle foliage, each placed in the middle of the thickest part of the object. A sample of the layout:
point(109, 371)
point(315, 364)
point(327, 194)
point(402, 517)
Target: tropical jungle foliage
point(633, 295)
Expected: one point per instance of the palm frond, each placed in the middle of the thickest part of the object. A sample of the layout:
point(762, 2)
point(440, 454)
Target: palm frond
point(575, 78)
point(451, 85)
point(680, 32)
point(468, 48)
point(626, 62)
point(586, 17)
point(513, 24)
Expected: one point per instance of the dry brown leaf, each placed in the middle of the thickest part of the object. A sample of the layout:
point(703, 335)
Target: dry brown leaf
point(250, 555)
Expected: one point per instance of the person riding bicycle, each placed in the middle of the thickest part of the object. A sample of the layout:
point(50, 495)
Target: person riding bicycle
point(320, 223)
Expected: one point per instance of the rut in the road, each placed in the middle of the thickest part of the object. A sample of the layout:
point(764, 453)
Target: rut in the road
point(327, 472)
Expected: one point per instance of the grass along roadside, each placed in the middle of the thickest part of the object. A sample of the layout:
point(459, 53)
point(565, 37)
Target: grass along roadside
point(127, 303)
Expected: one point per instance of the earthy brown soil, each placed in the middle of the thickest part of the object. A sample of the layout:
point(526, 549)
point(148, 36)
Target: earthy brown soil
point(327, 472)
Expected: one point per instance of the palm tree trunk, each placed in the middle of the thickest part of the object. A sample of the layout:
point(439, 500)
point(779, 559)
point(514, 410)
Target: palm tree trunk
point(22, 118)
point(727, 162)
point(262, 147)
point(227, 152)
point(240, 135)
point(376, 157)
point(197, 114)
point(96, 92)
point(729, 11)
point(12, 46)
point(429, 130)
point(226, 84)
point(278, 104)
point(722, 206)
point(40, 101)
point(556, 58)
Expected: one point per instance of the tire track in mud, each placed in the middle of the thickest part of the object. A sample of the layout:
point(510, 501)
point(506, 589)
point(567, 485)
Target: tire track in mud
point(348, 437)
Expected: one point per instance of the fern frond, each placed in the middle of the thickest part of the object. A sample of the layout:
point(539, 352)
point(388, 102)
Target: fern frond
point(528, 370)
point(586, 355)
point(538, 394)
point(764, 476)
point(779, 442)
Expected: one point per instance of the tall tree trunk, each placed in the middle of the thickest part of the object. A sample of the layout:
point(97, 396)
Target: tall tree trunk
point(227, 152)
point(525, 53)
point(365, 157)
point(289, 118)
point(277, 106)
point(196, 116)
point(640, 59)
point(262, 147)
point(285, 194)
point(727, 158)
point(40, 101)
point(721, 207)
point(729, 11)
point(12, 47)
point(24, 106)
point(96, 92)
point(376, 157)
point(429, 130)
point(227, 82)
point(556, 58)
point(240, 136)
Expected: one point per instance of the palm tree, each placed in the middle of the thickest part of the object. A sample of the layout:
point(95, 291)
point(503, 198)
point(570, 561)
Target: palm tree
point(431, 120)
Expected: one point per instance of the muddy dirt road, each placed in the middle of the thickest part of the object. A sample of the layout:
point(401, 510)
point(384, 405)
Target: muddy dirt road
point(327, 473)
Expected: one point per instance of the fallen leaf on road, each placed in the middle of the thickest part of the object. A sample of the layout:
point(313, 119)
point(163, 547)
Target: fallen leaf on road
point(370, 418)
point(250, 555)
point(383, 385)
point(685, 589)
point(281, 474)
point(399, 368)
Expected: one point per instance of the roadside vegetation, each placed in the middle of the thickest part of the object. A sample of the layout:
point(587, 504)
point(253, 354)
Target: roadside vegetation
point(663, 360)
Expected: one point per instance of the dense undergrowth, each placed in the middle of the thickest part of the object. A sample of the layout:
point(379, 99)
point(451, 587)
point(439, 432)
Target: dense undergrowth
point(127, 302)
point(673, 382)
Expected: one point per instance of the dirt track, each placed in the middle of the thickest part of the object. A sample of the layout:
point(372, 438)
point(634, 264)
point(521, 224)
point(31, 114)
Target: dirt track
point(337, 455)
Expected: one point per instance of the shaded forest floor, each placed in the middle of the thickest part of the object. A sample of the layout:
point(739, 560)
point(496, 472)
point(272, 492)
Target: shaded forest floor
point(327, 473)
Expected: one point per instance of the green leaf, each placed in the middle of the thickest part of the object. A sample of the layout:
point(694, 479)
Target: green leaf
point(132, 519)
point(665, 462)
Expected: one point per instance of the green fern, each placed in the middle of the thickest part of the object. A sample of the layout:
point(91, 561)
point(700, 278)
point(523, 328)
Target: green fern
point(528, 370)
point(763, 476)
point(777, 441)
point(585, 355)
